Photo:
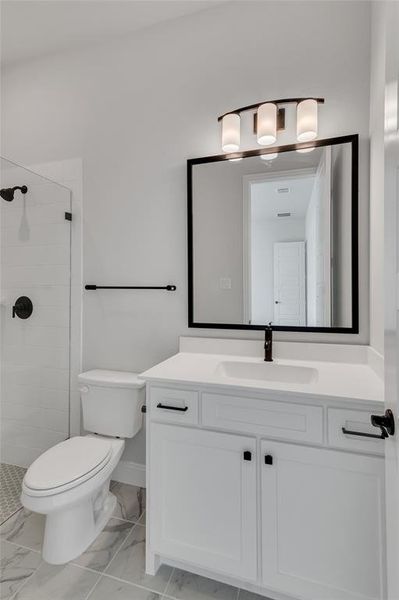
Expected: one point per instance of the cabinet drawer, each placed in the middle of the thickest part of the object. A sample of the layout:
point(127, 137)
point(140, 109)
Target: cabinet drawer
point(354, 420)
point(174, 406)
point(265, 417)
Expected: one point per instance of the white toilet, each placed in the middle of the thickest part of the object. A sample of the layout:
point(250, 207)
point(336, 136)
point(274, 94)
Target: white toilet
point(69, 483)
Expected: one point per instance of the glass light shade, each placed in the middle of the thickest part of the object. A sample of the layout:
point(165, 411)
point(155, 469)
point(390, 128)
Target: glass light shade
point(267, 124)
point(231, 133)
point(305, 150)
point(269, 156)
point(306, 120)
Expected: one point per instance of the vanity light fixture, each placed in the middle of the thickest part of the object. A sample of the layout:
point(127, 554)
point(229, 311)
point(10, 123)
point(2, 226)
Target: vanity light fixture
point(268, 119)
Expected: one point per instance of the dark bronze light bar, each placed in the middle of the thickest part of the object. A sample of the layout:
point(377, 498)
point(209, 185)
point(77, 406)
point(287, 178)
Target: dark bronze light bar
point(238, 111)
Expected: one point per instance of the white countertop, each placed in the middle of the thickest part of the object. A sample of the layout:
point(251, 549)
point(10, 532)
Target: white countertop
point(355, 379)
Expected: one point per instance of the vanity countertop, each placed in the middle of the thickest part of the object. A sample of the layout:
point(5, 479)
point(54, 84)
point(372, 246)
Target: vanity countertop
point(355, 379)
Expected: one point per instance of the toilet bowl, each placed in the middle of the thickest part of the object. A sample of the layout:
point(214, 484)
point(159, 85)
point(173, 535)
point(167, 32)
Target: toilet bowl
point(69, 483)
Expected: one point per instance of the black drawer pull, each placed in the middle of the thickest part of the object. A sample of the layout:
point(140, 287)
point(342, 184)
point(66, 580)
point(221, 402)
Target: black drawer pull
point(180, 408)
point(268, 459)
point(247, 455)
point(361, 434)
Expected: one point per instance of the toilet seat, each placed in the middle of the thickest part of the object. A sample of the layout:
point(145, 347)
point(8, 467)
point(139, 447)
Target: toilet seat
point(67, 465)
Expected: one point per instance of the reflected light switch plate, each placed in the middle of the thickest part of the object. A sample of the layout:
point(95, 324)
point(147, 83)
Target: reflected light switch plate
point(225, 283)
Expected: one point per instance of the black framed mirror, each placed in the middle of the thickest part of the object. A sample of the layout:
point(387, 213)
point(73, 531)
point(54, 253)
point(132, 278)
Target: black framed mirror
point(273, 237)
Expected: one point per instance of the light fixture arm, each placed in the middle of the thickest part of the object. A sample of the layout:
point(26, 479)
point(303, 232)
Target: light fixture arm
point(279, 102)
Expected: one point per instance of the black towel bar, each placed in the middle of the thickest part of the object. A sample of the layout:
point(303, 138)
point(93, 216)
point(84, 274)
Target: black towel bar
point(169, 288)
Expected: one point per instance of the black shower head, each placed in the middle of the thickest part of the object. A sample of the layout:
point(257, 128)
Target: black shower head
point(8, 193)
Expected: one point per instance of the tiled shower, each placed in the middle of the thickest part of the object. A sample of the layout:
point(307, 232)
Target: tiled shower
point(35, 351)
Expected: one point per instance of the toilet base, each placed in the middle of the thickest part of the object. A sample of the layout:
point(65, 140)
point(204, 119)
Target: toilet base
point(77, 526)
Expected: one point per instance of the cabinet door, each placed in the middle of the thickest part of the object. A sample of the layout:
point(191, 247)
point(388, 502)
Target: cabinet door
point(203, 498)
point(322, 523)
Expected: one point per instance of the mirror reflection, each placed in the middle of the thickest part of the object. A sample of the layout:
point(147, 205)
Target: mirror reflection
point(272, 239)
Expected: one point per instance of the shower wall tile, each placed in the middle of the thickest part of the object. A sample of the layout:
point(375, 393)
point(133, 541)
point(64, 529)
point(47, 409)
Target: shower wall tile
point(32, 336)
point(48, 418)
point(26, 436)
point(32, 376)
point(52, 233)
point(51, 254)
point(35, 396)
point(45, 295)
point(19, 455)
point(29, 215)
point(35, 262)
point(36, 275)
point(38, 356)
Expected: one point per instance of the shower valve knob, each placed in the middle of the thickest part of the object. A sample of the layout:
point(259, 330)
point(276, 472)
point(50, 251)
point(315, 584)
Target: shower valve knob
point(23, 308)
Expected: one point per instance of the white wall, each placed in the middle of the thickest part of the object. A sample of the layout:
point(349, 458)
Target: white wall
point(377, 90)
point(136, 109)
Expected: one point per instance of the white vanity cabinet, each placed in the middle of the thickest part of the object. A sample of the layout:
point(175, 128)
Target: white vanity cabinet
point(263, 493)
point(203, 498)
point(321, 522)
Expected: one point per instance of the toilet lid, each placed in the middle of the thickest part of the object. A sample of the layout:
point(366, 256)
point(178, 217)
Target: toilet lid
point(68, 461)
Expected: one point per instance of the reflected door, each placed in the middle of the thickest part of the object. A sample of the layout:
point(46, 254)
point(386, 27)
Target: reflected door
point(289, 284)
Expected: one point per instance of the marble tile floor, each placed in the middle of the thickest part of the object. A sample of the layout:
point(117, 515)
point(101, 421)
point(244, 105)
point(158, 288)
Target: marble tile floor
point(112, 567)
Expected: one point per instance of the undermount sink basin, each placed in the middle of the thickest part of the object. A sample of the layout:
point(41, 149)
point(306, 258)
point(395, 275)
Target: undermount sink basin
point(267, 372)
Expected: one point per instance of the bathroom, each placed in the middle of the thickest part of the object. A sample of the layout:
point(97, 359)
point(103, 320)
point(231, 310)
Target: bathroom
point(109, 115)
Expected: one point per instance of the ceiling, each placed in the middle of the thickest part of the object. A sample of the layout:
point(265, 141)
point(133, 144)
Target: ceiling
point(34, 28)
point(267, 199)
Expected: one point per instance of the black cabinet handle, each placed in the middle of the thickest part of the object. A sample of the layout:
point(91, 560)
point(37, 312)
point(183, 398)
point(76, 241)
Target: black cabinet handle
point(180, 408)
point(247, 455)
point(361, 434)
point(268, 459)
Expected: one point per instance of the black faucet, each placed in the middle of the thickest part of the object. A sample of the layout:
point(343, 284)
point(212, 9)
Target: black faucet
point(268, 343)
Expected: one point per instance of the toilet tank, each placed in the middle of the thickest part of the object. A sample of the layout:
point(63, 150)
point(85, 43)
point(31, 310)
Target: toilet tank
point(112, 402)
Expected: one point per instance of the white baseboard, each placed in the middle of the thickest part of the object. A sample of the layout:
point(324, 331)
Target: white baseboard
point(130, 472)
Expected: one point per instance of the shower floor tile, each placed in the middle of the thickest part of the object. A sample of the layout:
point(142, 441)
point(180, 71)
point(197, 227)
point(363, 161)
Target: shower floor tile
point(10, 490)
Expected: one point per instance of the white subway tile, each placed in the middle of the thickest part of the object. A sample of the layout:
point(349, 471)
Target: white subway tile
point(22, 218)
point(35, 396)
point(29, 437)
point(43, 418)
point(54, 254)
point(19, 332)
point(36, 275)
point(18, 455)
point(37, 356)
point(55, 233)
point(45, 295)
point(29, 375)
